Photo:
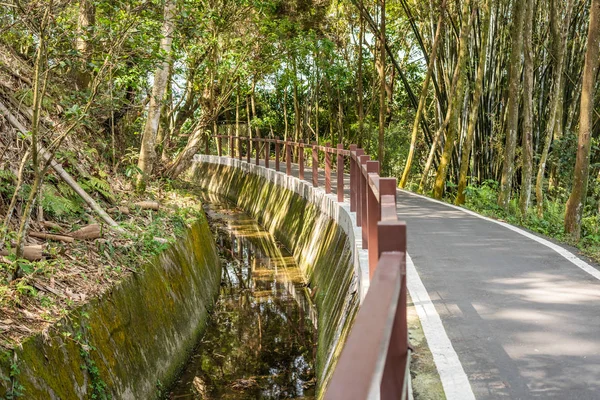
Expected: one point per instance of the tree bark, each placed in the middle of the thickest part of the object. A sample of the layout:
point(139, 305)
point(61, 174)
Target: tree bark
point(359, 78)
point(423, 96)
point(554, 125)
point(85, 21)
point(147, 151)
point(527, 137)
point(576, 200)
point(508, 169)
point(253, 102)
point(382, 98)
point(473, 115)
point(457, 99)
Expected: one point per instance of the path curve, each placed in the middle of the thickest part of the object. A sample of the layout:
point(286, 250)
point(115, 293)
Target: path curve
point(522, 317)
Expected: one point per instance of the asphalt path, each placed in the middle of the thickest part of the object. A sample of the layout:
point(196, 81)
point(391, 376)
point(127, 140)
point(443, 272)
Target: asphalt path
point(523, 320)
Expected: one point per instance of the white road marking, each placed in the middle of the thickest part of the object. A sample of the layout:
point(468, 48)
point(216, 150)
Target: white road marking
point(454, 379)
point(560, 250)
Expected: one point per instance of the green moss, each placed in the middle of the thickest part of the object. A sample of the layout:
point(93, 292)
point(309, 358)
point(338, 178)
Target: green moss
point(135, 335)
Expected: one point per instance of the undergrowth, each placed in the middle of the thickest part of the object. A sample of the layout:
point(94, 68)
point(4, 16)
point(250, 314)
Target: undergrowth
point(80, 270)
point(483, 200)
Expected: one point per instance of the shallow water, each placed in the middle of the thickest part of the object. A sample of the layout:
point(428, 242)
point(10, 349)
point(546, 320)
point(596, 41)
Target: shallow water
point(260, 341)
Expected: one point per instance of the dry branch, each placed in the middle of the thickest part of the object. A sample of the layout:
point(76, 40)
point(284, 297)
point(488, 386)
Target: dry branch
point(49, 236)
point(51, 225)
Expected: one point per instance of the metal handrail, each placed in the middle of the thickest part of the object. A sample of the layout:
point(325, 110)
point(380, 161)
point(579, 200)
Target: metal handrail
point(375, 360)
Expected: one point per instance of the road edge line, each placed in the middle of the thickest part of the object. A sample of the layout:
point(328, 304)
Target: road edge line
point(454, 379)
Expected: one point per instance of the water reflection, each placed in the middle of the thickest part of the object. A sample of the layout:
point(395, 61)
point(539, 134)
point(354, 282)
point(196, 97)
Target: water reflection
point(260, 343)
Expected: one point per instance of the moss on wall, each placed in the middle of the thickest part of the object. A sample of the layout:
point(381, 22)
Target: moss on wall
point(132, 340)
point(319, 245)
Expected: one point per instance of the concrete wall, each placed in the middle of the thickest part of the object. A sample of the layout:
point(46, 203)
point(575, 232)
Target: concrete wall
point(133, 339)
point(319, 231)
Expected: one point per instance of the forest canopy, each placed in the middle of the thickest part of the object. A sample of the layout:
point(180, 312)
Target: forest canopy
point(490, 104)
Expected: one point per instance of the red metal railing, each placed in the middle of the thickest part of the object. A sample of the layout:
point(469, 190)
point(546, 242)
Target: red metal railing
point(374, 362)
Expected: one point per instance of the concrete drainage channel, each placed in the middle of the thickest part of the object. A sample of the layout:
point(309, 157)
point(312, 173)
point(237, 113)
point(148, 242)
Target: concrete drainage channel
point(318, 231)
point(134, 340)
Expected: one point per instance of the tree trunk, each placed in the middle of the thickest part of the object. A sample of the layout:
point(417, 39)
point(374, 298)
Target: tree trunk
point(382, 98)
point(473, 116)
point(285, 115)
point(457, 99)
point(576, 200)
point(184, 158)
point(85, 21)
point(527, 141)
point(359, 78)
point(147, 150)
point(554, 124)
point(508, 168)
point(248, 118)
point(423, 96)
point(253, 102)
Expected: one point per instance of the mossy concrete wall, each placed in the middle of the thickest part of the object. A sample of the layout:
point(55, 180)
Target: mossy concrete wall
point(133, 339)
point(319, 231)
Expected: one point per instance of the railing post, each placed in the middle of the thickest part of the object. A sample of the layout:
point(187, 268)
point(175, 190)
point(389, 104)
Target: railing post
point(256, 150)
point(301, 161)
point(327, 168)
point(219, 146)
point(360, 189)
point(267, 152)
point(206, 144)
point(288, 158)
point(369, 205)
point(231, 151)
point(340, 172)
point(239, 143)
point(352, 178)
point(358, 153)
point(392, 236)
point(315, 165)
point(373, 216)
point(277, 154)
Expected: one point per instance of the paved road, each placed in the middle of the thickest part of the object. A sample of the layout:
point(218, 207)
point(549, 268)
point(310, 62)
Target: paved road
point(524, 321)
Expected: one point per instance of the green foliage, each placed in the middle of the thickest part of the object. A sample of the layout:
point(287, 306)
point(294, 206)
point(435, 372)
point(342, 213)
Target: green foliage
point(483, 198)
point(7, 183)
point(14, 388)
point(100, 186)
point(58, 205)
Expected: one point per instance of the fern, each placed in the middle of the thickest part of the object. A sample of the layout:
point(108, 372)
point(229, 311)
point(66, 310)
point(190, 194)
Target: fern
point(56, 205)
point(100, 186)
point(66, 190)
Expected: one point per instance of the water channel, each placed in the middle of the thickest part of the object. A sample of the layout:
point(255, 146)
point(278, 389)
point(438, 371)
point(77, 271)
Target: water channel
point(260, 341)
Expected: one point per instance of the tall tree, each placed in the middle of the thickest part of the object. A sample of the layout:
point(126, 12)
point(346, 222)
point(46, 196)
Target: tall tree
point(382, 93)
point(85, 23)
point(148, 146)
point(508, 165)
point(527, 137)
point(473, 114)
point(423, 96)
point(457, 99)
point(554, 124)
point(581, 171)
